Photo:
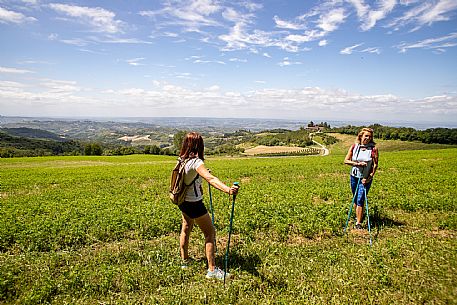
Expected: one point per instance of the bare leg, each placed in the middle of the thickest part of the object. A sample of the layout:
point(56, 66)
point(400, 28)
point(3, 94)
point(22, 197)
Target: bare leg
point(359, 209)
point(186, 228)
point(359, 214)
point(205, 224)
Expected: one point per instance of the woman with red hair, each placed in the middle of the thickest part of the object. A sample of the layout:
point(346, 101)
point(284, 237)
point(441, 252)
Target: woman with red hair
point(193, 209)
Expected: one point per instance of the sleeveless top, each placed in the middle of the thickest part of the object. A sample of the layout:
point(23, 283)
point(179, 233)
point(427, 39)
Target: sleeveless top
point(362, 153)
point(195, 190)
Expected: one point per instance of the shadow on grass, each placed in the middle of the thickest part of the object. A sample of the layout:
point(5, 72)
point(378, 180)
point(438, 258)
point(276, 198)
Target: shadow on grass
point(379, 221)
point(250, 263)
point(384, 221)
point(246, 263)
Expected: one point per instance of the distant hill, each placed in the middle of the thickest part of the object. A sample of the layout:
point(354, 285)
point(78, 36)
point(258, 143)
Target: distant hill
point(33, 133)
point(17, 146)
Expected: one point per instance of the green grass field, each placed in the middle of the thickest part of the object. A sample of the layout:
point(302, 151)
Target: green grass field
point(101, 230)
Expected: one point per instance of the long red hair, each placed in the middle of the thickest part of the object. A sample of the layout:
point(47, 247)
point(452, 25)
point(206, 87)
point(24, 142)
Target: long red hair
point(192, 144)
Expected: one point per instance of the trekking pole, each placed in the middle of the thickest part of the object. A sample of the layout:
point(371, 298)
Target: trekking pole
point(352, 204)
point(230, 233)
point(212, 211)
point(368, 215)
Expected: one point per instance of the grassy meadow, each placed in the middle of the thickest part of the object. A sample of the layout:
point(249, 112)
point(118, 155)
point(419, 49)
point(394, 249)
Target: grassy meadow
point(101, 230)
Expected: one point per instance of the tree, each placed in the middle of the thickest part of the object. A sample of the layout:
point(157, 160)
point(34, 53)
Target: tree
point(93, 149)
point(151, 149)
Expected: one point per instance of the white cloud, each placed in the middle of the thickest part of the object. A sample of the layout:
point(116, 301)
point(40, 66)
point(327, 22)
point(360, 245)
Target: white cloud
point(352, 49)
point(135, 61)
point(371, 50)
point(59, 86)
point(7, 16)
point(31, 2)
point(99, 19)
point(117, 40)
point(34, 98)
point(349, 50)
point(286, 62)
point(302, 38)
point(194, 57)
point(67, 98)
point(409, 16)
point(11, 85)
point(239, 38)
point(330, 21)
point(431, 43)
point(439, 12)
point(148, 13)
point(191, 14)
point(76, 42)
point(234, 59)
point(323, 43)
point(265, 54)
point(283, 24)
point(360, 6)
point(371, 17)
point(14, 70)
point(199, 61)
point(214, 88)
point(184, 75)
point(424, 13)
point(170, 34)
point(232, 15)
point(251, 6)
point(53, 36)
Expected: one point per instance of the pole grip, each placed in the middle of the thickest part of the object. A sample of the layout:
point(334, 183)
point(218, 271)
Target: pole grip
point(236, 183)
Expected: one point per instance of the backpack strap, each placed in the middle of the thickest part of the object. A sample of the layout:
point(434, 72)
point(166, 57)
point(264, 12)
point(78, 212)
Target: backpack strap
point(374, 153)
point(193, 181)
point(195, 186)
point(356, 146)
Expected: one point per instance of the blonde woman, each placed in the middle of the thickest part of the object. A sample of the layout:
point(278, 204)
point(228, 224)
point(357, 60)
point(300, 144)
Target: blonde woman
point(363, 156)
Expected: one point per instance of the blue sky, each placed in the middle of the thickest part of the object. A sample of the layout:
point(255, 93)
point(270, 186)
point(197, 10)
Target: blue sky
point(385, 60)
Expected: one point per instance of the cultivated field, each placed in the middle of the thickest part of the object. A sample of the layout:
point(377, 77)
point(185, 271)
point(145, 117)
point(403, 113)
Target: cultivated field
point(262, 149)
point(101, 230)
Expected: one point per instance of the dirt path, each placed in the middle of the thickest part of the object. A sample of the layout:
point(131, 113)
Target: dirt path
point(325, 149)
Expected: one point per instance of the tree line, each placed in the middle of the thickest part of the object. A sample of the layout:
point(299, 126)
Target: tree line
point(429, 136)
point(16, 146)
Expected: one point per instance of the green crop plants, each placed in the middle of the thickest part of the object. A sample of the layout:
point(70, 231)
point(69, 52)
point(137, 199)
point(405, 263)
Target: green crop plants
point(88, 230)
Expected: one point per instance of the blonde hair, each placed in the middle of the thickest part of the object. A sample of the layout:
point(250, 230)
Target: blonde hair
point(361, 132)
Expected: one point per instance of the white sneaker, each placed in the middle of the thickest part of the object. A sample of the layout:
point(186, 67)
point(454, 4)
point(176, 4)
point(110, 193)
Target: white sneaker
point(217, 274)
point(185, 263)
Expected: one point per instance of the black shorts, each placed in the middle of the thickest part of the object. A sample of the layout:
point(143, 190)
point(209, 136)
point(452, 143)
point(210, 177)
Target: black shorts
point(193, 209)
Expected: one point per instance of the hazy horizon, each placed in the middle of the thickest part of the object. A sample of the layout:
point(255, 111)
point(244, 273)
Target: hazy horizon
point(204, 121)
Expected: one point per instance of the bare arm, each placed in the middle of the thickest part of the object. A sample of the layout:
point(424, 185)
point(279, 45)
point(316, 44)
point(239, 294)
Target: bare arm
point(373, 168)
point(214, 181)
point(375, 163)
